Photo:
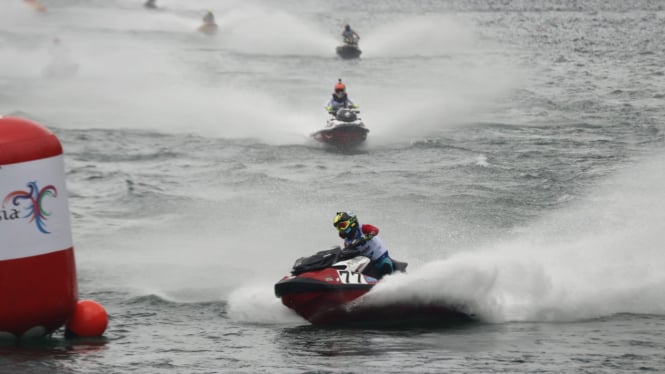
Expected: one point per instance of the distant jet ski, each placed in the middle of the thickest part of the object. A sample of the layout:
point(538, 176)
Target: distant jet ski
point(208, 28)
point(150, 4)
point(349, 49)
point(344, 130)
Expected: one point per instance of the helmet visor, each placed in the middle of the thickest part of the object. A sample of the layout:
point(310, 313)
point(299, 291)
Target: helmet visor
point(343, 225)
point(339, 93)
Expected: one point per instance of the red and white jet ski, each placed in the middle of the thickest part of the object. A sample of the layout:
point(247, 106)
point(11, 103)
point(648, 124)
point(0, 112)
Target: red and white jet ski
point(327, 288)
point(344, 130)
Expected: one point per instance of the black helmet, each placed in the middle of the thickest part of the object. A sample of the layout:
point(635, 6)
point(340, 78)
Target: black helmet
point(346, 223)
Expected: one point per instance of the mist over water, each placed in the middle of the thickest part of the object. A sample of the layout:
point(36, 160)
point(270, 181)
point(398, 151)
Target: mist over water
point(435, 35)
point(198, 98)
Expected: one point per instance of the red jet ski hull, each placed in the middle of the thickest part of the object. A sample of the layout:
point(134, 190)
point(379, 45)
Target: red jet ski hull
point(342, 136)
point(322, 298)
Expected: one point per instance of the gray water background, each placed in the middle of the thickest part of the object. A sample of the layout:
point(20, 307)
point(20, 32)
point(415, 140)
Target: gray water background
point(515, 160)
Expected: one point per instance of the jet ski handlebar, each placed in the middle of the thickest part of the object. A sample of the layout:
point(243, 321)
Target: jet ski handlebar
point(358, 242)
point(334, 112)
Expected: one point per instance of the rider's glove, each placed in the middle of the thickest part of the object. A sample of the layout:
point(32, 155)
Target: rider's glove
point(359, 242)
point(363, 240)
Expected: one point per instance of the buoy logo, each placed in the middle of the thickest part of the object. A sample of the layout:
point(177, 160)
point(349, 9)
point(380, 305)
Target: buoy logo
point(31, 202)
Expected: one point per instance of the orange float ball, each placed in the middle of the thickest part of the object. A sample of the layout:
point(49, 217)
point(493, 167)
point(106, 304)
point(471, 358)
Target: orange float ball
point(89, 319)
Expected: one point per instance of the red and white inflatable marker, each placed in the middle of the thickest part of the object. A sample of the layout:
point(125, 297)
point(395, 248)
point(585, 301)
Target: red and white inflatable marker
point(38, 288)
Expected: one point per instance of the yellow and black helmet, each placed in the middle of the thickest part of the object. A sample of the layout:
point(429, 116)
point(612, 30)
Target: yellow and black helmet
point(345, 223)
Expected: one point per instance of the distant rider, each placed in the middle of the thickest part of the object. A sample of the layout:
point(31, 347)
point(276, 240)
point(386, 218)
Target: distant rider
point(209, 18)
point(362, 240)
point(339, 99)
point(350, 36)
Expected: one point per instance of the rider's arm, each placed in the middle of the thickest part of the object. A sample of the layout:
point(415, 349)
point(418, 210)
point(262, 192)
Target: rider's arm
point(328, 107)
point(351, 245)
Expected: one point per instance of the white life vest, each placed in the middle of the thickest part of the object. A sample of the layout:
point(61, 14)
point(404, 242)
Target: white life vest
point(373, 249)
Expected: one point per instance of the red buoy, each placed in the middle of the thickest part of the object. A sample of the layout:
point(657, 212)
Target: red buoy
point(89, 320)
point(38, 290)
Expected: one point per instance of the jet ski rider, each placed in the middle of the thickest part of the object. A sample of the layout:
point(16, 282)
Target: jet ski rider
point(209, 18)
point(350, 36)
point(339, 99)
point(362, 240)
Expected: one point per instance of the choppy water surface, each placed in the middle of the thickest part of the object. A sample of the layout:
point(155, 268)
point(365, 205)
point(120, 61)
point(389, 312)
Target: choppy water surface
point(515, 160)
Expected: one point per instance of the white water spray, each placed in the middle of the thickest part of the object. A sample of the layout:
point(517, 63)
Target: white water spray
point(601, 257)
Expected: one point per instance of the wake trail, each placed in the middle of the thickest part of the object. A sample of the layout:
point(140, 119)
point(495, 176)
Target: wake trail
point(601, 257)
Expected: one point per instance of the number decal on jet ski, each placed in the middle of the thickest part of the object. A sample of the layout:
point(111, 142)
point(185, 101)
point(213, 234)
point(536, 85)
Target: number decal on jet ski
point(349, 277)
